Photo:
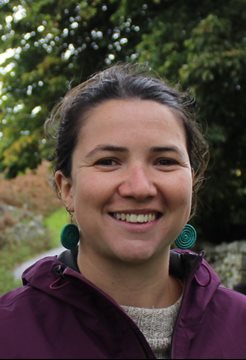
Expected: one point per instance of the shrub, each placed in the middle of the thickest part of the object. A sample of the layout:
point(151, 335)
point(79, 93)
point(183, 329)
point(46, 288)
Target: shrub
point(31, 191)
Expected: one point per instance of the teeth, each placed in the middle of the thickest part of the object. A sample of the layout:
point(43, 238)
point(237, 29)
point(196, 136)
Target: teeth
point(135, 218)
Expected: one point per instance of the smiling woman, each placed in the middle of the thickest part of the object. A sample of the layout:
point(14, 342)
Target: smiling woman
point(138, 172)
point(129, 160)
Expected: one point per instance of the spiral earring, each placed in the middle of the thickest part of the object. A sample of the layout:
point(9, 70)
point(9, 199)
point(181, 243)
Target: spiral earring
point(187, 238)
point(70, 235)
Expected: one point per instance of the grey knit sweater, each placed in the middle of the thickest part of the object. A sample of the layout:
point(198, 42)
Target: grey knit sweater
point(156, 325)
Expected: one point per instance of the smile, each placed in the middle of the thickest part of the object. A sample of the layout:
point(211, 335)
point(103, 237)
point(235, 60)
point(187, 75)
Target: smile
point(136, 218)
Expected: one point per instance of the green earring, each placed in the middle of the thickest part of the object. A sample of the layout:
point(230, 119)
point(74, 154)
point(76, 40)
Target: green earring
point(70, 236)
point(187, 238)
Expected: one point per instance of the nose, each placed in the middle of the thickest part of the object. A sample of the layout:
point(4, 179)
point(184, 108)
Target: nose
point(137, 184)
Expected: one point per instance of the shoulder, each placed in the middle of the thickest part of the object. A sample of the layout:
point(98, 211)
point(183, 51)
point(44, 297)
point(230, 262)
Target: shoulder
point(231, 299)
point(14, 296)
point(204, 288)
point(18, 302)
point(25, 313)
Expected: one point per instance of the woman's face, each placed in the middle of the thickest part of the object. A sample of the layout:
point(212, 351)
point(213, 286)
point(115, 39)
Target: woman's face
point(131, 182)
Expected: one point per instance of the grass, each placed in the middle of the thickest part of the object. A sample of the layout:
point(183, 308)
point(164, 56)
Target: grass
point(54, 223)
point(12, 255)
point(9, 257)
point(30, 191)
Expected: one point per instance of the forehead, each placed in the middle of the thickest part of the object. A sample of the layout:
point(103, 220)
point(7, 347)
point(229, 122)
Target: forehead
point(125, 117)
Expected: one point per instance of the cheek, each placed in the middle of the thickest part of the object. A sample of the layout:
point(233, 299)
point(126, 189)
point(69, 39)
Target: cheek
point(92, 191)
point(180, 190)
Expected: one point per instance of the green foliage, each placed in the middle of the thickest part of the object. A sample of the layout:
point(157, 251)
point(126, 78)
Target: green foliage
point(15, 253)
point(50, 51)
point(54, 223)
point(201, 46)
point(7, 281)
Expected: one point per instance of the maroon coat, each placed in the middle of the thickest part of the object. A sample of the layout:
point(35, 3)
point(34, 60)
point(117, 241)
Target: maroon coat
point(59, 314)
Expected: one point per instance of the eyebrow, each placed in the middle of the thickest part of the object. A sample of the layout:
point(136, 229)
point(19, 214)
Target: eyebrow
point(105, 148)
point(122, 149)
point(160, 149)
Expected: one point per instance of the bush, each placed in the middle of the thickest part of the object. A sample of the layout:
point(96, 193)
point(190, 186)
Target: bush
point(31, 191)
point(31, 218)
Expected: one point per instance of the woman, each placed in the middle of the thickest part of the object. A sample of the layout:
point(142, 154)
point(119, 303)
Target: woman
point(129, 159)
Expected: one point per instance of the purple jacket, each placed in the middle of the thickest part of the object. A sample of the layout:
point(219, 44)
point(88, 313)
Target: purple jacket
point(59, 314)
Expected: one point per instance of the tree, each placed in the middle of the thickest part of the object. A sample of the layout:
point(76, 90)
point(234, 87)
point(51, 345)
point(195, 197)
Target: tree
point(51, 51)
point(202, 46)
point(199, 45)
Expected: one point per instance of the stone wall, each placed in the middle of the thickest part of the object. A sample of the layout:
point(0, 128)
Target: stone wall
point(229, 261)
point(21, 225)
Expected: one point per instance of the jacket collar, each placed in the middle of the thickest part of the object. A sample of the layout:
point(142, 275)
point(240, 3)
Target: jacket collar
point(60, 277)
point(181, 262)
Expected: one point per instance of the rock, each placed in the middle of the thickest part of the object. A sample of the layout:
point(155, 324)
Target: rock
point(229, 261)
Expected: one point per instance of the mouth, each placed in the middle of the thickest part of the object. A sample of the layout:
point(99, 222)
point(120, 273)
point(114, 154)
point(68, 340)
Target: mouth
point(136, 217)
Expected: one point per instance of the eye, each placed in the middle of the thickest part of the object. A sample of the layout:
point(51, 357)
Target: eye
point(107, 162)
point(166, 162)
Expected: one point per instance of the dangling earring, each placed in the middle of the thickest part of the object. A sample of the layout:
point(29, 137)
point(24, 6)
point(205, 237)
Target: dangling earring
point(70, 235)
point(187, 238)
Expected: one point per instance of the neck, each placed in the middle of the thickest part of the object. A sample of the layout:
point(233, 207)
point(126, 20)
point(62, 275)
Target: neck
point(146, 285)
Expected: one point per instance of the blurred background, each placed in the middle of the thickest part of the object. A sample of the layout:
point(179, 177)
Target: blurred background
point(49, 46)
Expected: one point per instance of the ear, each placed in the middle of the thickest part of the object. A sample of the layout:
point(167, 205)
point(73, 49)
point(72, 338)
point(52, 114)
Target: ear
point(65, 189)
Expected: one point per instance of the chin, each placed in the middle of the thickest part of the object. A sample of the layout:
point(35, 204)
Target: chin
point(135, 256)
